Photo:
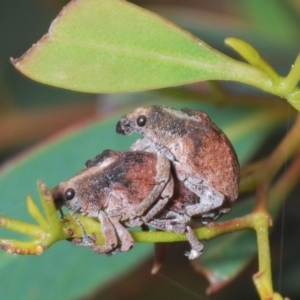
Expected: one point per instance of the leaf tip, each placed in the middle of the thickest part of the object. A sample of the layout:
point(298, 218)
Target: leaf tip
point(17, 62)
point(14, 61)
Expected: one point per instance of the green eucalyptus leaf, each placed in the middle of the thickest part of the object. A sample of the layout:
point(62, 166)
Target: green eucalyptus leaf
point(72, 271)
point(112, 46)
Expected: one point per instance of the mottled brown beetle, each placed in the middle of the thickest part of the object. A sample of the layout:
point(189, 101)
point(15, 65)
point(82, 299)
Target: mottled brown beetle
point(202, 156)
point(114, 184)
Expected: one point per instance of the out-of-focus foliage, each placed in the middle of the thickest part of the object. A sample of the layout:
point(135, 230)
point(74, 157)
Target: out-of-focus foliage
point(29, 111)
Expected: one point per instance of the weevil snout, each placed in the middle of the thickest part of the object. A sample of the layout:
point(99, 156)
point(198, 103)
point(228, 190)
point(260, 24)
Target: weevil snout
point(58, 197)
point(119, 128)
point(124, 126)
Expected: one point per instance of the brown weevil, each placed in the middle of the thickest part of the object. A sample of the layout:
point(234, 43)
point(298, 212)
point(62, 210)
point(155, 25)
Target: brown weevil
point(202, 156)
point(115, 184)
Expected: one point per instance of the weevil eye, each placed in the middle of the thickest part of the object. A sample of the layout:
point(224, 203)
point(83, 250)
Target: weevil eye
point(141, 120)
point(69, 194)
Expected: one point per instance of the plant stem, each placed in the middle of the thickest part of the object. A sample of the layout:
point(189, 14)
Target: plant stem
point(261, 223)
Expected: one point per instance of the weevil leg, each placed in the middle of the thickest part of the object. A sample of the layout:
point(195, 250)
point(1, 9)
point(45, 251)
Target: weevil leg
point(126, 239)
point(156, 209)
point(166, 194)
point(180, 227)
point(168, 225)
point(209, 198)
point(108, 229)
point(86, 240)
point(163, 176)
point(196, 245)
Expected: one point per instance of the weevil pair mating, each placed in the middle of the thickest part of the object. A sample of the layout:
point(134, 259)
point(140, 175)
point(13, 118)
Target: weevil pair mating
point(183, 167)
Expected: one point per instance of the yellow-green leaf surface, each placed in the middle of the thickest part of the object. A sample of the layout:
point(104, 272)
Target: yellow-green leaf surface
point(112, 46)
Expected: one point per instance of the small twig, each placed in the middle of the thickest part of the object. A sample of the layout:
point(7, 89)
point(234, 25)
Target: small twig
point(265, 170)
point(283, 152)
point(222, 97)
point(284, 185)
point(250, 175)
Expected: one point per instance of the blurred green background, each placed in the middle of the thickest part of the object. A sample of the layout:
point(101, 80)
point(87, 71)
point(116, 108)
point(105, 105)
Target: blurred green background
point(31, 113)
